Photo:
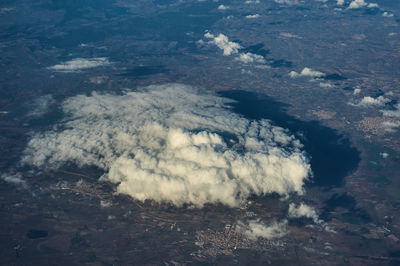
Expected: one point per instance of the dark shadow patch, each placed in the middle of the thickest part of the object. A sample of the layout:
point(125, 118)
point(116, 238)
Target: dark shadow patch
point(164, 2)
point(392, 105)
point(379, 93)
point(358, 216)
point(352, 215)
point(334, 77)
point(371, 11)
point(281, 63)
point(256, 49)
point(34, 234)
point(332, 156)
point(276, 23)
point(301, 8)
point(300, 222)
point(344, 201)
point(348, 88)
point(143, 71)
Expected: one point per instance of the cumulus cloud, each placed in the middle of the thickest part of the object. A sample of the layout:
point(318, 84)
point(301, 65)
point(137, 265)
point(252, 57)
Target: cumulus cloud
point(288, 2)
point(340, 2)
point(223, 43)
point(252, 2)
point(370, 101)
point(253, 16)
point(393, 113)
point(384, 155)
point(6, 10)
point(307, 72)
point(303, 210)
point(41, 105)
point(326, 85)
point(257, 229)
point(357, 4)
point(289, 35)
point(80, 64)
point(223, 7)
point(171, 143)
point(250, 58)
point(387, 14)
point(105, 203)
point(373, 5)
point(231, 48)
point(391, 126)
point(15, 179)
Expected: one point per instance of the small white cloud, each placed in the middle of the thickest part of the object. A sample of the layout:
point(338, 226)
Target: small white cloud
point(326, 85)
point(253, 16)
point(287, 2)
point(223, 7)
point(105, 203)
point(41, 105)
point(231, 48)
point(250, 58)
point(387, 14)
point(222, 41)
point(392, 113)
point(370, 101)
point(357, 4)
point(252, 2)
point(15, 179)
point(6, 10)
point(303, 210)
point(384, 155)
point(391, 126)
point(257, 229)
point(373, 5)
point(289, 35)
point(307, 72)
point(356, 91)
point(340, 2)
point(80, 64)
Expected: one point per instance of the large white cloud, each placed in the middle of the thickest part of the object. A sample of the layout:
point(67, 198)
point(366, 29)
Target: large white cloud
point(80, 64)
point(172, 143)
